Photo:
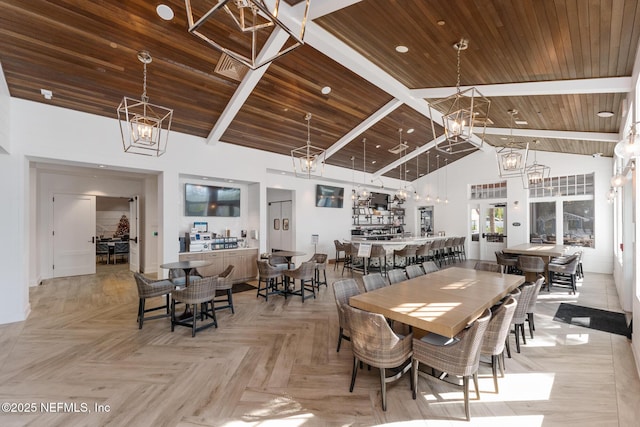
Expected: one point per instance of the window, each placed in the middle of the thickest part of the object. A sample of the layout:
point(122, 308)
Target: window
point(567, 197)
point(543, 222)
point(578, 219)
point(497, 190)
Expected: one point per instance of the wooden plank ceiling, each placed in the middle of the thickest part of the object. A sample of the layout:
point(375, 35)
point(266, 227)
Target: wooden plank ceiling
point(580, 53)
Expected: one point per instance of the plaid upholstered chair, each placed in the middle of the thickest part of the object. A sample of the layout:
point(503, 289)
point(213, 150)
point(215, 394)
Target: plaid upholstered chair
point(488, 266)
point(321, 266)
point(373, 281)
point(148, 288)
point(414, 270)
point(396, 275)
point(526, 292)
point(199, 295)
point(493, 343)
point(373, 342)
point(343, 290)
point(429, 267)
point(455, 356)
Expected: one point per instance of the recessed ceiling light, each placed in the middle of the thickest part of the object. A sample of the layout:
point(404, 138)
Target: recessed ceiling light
point(521, 122)
point(326, 90)
point(283, 173)
point(205, 178)
point(441, 22)
point(378, 145)
point(402, 49)
point(101, 166)
point(164, 12)
point(410, 130)
point(373, 162)
point(605, 114)
point(229, 180)
point(421, 174)
point(113, 45)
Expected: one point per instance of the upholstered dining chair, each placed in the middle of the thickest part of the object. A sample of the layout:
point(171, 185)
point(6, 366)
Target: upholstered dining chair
point(508, 263)
point(102, 251)
point(422, 252)
point(414, 270)
point(122, 249)
point(199, 295)
point(487, 266)
point(396, 275)
point(430, 267)
point(305, 275)
point(531, 305)
point(148, 288)
point(496, 335)
point(520, 315)
point(530, 264)
point(563, 272)
point(344, 289)
point(373, 281)
point(224, 290)
point(457, 356)
point(374, 342)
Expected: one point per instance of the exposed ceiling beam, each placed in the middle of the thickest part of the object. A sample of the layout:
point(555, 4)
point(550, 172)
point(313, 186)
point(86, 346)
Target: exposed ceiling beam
point(273, 45)
point(556, 134)
point(555, 87)
point(366, 124)
point(276, 40)
point(408, 157)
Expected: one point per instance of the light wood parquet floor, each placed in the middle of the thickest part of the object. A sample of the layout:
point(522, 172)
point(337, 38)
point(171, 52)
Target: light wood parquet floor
point(274, 363)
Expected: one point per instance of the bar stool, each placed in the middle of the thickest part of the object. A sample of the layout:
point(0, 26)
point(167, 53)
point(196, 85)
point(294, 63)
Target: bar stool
point(305, 275)
point(339, 248)
point(377, 251)
point(408, 252)
point(321, 263)
point(271, 277)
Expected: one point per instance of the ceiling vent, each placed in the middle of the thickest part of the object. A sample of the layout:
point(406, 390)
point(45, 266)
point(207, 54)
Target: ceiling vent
point(398, 148)
point(229, 67)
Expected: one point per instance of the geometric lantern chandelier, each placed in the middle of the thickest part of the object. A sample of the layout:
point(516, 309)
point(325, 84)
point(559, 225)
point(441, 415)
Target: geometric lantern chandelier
point(306, 158)
point(512, 158)
point(464, 114)
point(535, 174)
point(241, 28)
point(144, 127)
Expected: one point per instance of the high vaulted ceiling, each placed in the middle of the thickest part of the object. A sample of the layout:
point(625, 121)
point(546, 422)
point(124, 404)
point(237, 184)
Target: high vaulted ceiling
point(558, 62)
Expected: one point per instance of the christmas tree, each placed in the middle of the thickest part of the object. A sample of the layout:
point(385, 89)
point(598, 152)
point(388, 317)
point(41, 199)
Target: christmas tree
point(123, 226)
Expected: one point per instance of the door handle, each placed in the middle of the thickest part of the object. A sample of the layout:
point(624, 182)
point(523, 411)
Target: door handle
point(134, 240)
point(93, 239)
point(484, 236)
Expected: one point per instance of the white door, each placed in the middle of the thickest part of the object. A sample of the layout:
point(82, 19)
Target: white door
point(487, 226)
point(74, 229)
point(134, 240)
point(281, 226)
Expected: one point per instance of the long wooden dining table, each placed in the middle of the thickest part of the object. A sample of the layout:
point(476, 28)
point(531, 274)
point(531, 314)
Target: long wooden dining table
point(544, 251)
point(443, 302)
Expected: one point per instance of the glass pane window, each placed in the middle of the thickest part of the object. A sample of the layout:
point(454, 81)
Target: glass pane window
point(578, 220)
point(543, 222)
